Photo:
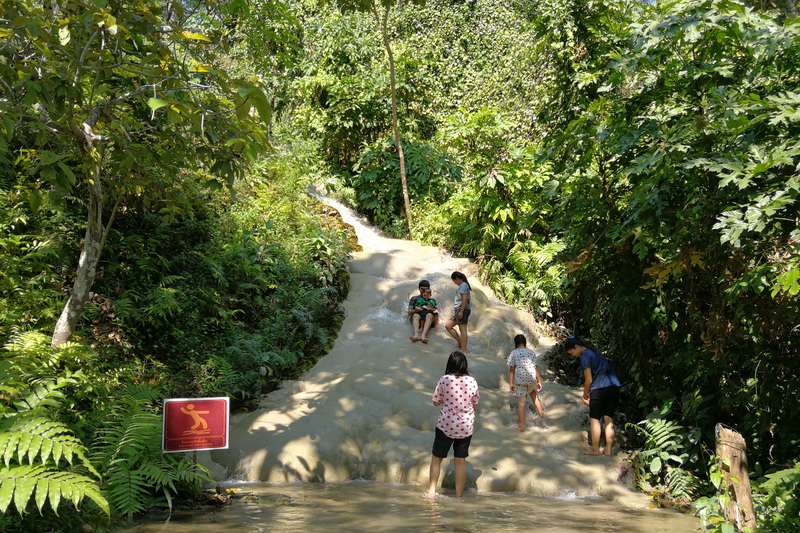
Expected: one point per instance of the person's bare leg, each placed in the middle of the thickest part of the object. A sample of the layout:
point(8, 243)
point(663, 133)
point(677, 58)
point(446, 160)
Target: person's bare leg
point(521, 411)
point(610, 432)
point(436, 466)
point(450, 326)
point(594, 445)
point(461, 474)
point(426, 327)
point(415, 324)
point(463, 336)
point(537, 403)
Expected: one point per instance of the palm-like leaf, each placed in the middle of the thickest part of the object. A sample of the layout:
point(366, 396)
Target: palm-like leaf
point(136, 473)
point(33, 447)
point(21, 483)
point(32, 438)
point(661, 460)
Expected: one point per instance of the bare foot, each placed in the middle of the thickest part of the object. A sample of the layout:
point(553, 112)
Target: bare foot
point(519, 428)
point(424, 341)
point(429, 495)
point(591, 452)
point(413, 338)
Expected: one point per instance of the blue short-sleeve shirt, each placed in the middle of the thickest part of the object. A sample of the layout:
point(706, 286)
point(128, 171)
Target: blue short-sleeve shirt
point(603, 374)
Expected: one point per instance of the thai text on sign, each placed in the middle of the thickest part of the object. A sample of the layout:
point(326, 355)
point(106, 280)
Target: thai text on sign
point(195, 424)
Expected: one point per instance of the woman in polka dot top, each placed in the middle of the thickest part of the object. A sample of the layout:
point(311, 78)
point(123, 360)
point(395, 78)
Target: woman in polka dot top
point(457, 394)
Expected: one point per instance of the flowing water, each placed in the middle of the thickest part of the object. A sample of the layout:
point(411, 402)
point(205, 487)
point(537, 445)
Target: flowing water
point(364, 412)
point(373, 507)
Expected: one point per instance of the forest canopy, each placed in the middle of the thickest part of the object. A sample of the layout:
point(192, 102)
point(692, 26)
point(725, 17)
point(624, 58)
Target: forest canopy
point(626, 171)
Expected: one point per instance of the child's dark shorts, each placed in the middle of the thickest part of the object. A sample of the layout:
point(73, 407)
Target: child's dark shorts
point(603, 402)
point(463, 320)
point(424, 313)
point(442, 443)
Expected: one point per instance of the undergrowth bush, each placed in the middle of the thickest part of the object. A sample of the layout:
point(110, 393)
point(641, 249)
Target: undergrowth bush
point(376, 181)
point(230, 300)
point(669, 456)
point(46, 468)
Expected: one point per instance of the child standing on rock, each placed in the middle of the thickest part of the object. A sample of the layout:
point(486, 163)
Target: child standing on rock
point(524, 378)
point(461, 311)
point(457, 393)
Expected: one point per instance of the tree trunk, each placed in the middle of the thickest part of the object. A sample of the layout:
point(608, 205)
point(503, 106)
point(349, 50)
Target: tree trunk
point(395, 124)
point(736, 479)
point(87, 264)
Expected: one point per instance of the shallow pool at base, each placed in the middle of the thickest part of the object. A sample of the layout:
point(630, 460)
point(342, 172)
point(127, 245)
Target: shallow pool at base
point(370, 507)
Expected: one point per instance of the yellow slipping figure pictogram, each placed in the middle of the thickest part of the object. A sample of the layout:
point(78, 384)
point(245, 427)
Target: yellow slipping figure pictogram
point(198, 420)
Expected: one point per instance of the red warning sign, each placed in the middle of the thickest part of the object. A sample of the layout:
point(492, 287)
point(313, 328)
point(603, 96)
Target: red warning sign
point(195, 424)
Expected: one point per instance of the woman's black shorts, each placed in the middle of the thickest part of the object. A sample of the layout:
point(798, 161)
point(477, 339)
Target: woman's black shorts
point(603, 402)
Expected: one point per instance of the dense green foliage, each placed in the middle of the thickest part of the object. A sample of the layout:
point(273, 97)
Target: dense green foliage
point(627, 170)
point(121, 124)
point(115, 103)
point(689, 193)
point(256, 283)
point(42, 458)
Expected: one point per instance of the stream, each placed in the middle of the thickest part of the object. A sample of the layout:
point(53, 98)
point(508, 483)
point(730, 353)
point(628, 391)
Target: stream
point(347, 446)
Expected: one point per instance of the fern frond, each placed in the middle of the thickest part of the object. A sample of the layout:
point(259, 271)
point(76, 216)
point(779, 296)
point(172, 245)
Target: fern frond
point(660, 434)
point(129, 450)
point(159, 475)
point(681, 483)
point(21, 483)
point(31, 353)
point(29, 341)
point(38, 437)
point(169, 280)
point(45, 393)
point(129, 492)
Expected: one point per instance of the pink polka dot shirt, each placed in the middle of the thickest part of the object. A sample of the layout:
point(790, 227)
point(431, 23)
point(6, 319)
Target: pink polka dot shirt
point(459, 395)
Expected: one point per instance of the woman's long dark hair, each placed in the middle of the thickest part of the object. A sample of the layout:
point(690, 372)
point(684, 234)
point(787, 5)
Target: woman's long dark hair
point(573, 342)
point(457, 364)
point(458, 275)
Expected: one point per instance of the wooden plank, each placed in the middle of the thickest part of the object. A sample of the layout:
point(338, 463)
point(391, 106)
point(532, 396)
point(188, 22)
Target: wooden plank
point(732, 449)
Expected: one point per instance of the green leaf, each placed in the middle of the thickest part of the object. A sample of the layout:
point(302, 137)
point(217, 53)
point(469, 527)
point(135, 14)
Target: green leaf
point(21, 482)
point(47, 158)
point(64, 35)
point(655, 465)
point(788, 281)
point(71, 179)
point(263, 108)
point(196, 36)
point(23, 488)
point(156, 103)
point(34, 200)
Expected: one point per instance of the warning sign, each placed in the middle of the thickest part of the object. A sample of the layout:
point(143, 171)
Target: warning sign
point(195, 424)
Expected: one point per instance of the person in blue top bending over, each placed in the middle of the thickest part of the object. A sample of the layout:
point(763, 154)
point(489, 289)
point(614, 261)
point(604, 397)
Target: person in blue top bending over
point(600, 392)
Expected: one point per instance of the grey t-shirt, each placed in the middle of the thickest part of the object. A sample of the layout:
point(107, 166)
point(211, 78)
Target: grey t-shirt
point(462, 289)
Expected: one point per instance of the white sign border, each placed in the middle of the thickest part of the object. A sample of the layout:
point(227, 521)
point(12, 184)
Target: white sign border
point(164, 423)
